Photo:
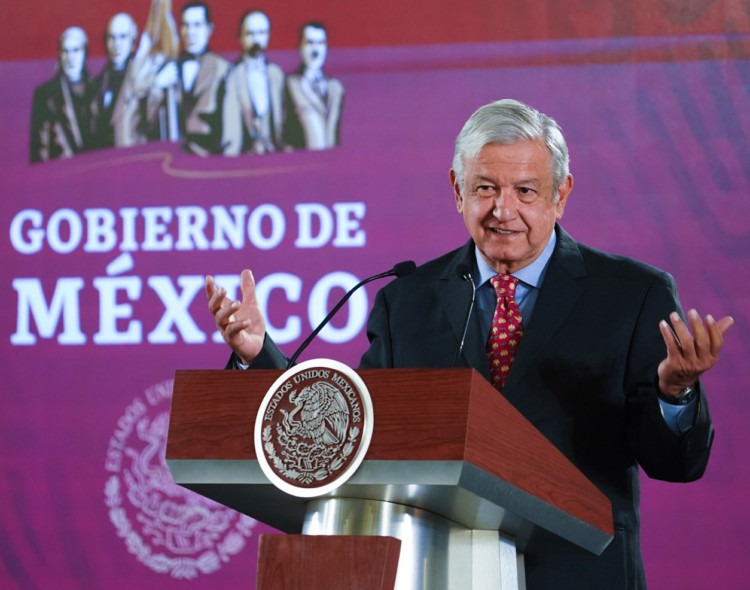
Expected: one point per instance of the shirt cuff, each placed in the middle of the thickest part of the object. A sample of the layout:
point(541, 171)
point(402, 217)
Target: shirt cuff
point(680, 419)
point(240, 365)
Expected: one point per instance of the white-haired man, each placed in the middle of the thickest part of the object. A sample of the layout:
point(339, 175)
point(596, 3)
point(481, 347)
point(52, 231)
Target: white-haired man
point(61, 107)
point(594, 363)
point(120, 38)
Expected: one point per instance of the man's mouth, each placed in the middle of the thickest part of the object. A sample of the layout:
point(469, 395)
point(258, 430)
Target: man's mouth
point(502, 232)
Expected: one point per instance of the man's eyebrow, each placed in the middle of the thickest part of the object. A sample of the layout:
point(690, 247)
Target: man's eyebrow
point(483, 178)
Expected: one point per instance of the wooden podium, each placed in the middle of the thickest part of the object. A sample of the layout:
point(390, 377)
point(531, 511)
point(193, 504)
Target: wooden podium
point(453, 471)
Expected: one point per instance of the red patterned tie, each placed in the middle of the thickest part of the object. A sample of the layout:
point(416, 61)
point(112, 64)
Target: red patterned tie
point(506, 330)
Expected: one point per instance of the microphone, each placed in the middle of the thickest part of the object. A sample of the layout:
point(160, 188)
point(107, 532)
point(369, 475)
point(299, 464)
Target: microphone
point(465, 274)
point(402, 269)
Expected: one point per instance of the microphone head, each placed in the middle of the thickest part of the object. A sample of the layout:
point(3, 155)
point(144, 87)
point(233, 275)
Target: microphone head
point(405, 268)
point(464, 272)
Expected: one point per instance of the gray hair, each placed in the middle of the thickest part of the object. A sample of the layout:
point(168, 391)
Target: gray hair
point(74, 31)
point(508, 121)
point(131, 24)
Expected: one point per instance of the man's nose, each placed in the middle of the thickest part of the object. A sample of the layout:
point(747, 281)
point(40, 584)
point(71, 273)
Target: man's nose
point(504, 205)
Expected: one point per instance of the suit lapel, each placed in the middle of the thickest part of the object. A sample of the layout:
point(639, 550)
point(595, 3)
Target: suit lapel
point(559, 292)
point(70, 112)
point(455, 296)
point(246, 105)
point(313, 97)
point(206, 74)
point(276, 89)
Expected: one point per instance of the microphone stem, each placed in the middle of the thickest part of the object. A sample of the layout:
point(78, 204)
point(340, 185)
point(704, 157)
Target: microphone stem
point(469, 278)
point(327, 319)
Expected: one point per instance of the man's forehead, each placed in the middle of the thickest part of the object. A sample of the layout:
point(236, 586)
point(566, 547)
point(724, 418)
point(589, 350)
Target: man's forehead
point(314, 35)
point(119, 26)
point(523, 150)
point(522, 161)
point(195, 15)
point(256, 23)
point(72, 41)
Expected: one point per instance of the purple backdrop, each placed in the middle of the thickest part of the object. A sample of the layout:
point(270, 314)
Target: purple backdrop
point(661, 160)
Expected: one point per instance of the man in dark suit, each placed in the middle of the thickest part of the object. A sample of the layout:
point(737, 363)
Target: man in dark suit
point(199, 78)
point(598, 370)
point(120, 38)
point(61, 107)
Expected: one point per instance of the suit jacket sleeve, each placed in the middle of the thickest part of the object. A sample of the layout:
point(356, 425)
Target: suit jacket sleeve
point(270, 357)
point(661, 453)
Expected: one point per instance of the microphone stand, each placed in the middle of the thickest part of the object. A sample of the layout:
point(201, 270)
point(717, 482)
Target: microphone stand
point(465, 275)
point(400, 270)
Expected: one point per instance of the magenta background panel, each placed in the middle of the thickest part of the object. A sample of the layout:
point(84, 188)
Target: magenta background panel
point(661, 159)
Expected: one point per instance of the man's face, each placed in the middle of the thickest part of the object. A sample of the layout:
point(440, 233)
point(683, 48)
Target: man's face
point(256, 30)
point(120, 40)
point(72, 55)
point(507, 202)
point(313, 48)
point(195, 30)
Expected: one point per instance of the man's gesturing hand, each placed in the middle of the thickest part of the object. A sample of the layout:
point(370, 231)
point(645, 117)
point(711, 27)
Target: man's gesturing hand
point(241, 323)
point(688, 356)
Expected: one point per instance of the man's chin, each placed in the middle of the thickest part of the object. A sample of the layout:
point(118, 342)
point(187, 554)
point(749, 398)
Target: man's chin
point(73, 75)
point(503, 258)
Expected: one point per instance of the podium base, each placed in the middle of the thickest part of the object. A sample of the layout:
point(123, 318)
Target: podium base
point(436, 553)
point(307, 562)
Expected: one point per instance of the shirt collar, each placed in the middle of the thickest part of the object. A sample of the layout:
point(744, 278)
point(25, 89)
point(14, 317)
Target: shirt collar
point(255, 63)
point(532, 274)
point(313, 75)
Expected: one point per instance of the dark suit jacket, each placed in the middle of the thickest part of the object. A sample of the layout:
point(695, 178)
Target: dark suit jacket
point(121, 119)
point(200, 109)
point(585, 375)
point(60, 119)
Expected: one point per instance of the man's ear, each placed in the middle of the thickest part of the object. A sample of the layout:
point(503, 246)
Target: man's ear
point(563, 192)
point(457, 191)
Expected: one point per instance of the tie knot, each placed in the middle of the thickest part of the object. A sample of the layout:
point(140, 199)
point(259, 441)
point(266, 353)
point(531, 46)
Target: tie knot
point(505, 285)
